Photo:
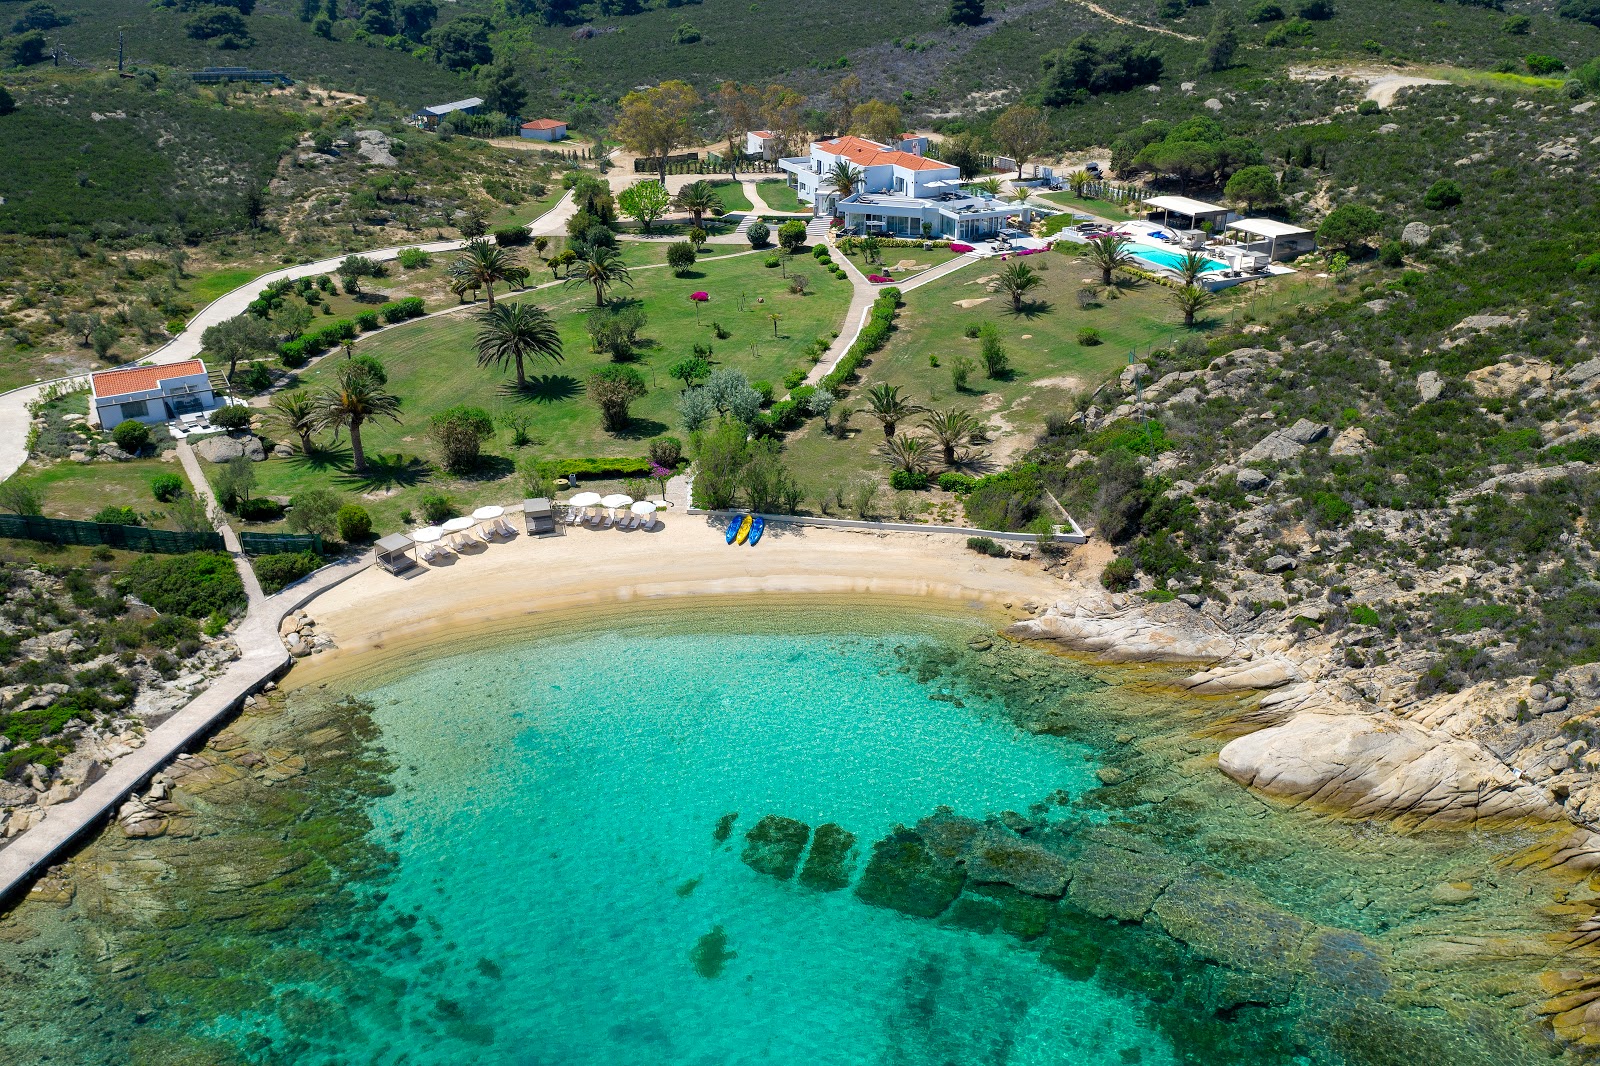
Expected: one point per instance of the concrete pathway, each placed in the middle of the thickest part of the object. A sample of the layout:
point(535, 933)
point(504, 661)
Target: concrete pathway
point(15, 421)
point(855, 318)
point(935, 273)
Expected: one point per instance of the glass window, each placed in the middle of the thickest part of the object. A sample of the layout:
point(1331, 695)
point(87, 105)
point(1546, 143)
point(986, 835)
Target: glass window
point(135, 409)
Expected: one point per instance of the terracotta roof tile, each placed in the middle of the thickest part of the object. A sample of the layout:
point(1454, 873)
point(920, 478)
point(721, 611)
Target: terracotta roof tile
point(865, 153)
point(142, 378)
point(543, 124)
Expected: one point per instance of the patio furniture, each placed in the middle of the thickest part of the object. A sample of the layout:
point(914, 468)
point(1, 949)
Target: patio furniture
point(538, 516)
point(504, 528)
point(393, 553)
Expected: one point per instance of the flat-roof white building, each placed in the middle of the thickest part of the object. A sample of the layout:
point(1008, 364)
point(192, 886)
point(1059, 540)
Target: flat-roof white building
point(150, 394)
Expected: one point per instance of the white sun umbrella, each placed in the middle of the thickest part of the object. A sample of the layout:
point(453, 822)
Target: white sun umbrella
point(616, 500)
point(456, 525)
point(427, 534)
point(585, 499)
point(643, 507)
point(483, 514)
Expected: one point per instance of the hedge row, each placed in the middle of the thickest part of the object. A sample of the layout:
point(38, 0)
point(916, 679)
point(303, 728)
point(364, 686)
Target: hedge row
point(601, 466)
point(295, 353)
point(874, 335)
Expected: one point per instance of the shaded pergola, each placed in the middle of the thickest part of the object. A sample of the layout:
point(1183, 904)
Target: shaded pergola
point(1291, 239)
point(1196, 211)
point(393, 553)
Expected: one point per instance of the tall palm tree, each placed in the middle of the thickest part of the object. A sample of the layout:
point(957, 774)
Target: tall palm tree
point(907, 453)
point(697, 198)
point(1191, 266)
point(296, 412)
point(1016, 280)
point(950, 429)
point(1108, 253)
point(1191, 300)
point(601, 267)
point(483, 263)
point(514, 332)
point(842, 179)
point(885, 403)
point(357, 399)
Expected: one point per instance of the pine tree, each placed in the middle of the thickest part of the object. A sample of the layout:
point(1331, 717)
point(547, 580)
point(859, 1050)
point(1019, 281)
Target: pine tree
point(1221, 43)
point(966, 12)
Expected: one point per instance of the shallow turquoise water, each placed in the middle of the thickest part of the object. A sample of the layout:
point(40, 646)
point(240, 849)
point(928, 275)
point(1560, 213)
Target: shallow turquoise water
point(1169, 259)
point(554, 817)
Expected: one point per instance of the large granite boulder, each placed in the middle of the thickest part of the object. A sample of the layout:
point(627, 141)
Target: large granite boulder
point(219, 449)
point(1097, 627)
point(903, 875)
point(831, 860)
point(774, 845)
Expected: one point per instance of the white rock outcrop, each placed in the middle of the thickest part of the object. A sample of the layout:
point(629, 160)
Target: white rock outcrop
point(1097, 627)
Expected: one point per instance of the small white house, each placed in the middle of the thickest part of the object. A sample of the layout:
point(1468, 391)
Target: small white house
point(761, 144)
point(544, 129)
point(151, 394)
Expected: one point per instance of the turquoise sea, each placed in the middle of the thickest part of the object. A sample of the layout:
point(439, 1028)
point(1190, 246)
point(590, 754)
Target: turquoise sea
point(531, 850)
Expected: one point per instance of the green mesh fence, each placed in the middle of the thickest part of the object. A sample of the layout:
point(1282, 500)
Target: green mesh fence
point(277, 543)
point(130, 538)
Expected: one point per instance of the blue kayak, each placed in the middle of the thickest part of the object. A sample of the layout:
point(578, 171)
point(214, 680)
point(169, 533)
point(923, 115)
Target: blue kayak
point(733, 528)
point(755, 530)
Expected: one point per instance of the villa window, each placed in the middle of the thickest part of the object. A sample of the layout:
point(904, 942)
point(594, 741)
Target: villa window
point(135, 409)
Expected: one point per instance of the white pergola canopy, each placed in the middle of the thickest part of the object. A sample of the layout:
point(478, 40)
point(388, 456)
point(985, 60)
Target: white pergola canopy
point(1184, 206)
point(1267, 228)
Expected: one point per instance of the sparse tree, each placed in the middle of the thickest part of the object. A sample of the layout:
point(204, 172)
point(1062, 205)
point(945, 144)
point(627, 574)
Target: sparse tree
point(1016, 280)
point(513, 333)
point(1020, 131)
point(244, 337)
point(690, 370)
point(21, 497)
point(295, 412)
point(1191, 300)
point(612, 389)
point(482, 264)
point(698, 198)
point(1107, 253)
point(1221, 43)
point(739, 109)
point(950, 429)
point(654, 122)
point(878, 121)
point(645, 201)
point(602, 268)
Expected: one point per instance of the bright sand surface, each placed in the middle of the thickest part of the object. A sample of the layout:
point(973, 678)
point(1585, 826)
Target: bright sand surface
point(376, 614)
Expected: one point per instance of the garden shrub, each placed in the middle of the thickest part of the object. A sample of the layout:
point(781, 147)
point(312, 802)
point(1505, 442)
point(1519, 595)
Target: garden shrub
point(793, 378)
point(1006, 501)
point(511, 236)
point(367, 321)
point(401, 310)
point(874, 335)
point(193, 585)
point(758, 234)
point(132, 437)
point(118, 516)
point(459, 432)
point(1442, 194)
point(437, 507)
point(984, 546)
point(957, 482)
point(355, 524)
point(771, 262)
point(1088, 336)
point(259, 509)
point(232, 417)
point(612, 466)
point(167, 487)
point(908, 479)
point(293, 355)
point(666, 452)
point(413, 258)
point(278, 571)
point(254, 377)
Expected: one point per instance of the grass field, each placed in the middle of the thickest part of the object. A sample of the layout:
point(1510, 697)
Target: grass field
point(204, 288)
point(779, 196)
point(1088, 205)
point(432, 366)
point(80, 490)
point(732, 194)
point(525, 212)
point(903, 264)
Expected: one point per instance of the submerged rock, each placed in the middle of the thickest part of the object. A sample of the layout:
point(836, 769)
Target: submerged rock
point(724, 827)
point(832, 859)
point(710, 953)
point(904, 875)
point(1001, 857)
point(1121, 883)
point(773, 847)
point(1001, 908)
point(1227, 920)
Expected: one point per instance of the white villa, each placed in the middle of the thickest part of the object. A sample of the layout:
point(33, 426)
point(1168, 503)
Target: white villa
point(902, 192)
point(151, 394)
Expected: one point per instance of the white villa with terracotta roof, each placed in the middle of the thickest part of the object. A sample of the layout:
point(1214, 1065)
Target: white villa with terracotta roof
point(151, 394)
point(902, 192)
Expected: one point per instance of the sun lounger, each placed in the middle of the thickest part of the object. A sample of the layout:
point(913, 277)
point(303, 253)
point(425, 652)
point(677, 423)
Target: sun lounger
point(628, 524)
point(502, 527)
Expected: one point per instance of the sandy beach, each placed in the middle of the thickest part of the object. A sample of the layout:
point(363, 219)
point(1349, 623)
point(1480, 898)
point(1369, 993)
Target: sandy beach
point(377, 614)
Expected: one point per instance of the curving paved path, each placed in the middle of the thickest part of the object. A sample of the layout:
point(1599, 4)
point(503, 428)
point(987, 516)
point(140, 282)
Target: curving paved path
point(15, 420)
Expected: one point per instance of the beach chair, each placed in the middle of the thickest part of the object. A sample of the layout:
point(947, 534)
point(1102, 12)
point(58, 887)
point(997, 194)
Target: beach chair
point(627, 524)
point(504, 528)
point(650, 521)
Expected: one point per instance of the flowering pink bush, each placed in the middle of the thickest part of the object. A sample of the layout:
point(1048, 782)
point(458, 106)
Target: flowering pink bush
point(700, 297)
point(879, 279)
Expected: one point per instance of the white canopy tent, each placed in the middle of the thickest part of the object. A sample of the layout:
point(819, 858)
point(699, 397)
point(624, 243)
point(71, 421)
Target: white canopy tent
point(1294, 238)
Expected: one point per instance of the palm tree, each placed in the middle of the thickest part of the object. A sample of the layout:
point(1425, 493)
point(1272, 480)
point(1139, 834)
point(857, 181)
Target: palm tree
point(885, 403)
point(358, 398)
point(1108, 253)
point(1191, 300)
point(296, 412)
point(482, 264)
point(601, 267)
point(1016, 280)
point(950, 429)
point(697, 198)
point(1079, 180)
point(907, 453)
point(512, 333)
point(1191, 265)
point(841, 179)
point(990, 185)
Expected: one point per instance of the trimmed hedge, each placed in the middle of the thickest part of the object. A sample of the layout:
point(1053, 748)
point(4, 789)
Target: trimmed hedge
point(401, 310)
point(296, 353)
point(277, 572)
point(874, 335)
point(601, 466)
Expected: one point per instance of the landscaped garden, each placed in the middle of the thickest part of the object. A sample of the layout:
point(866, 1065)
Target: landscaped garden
point(779, 196)
point(1109, 210)
point(432, 367)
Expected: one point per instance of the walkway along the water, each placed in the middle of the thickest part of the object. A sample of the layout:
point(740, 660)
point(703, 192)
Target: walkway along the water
point(262, 658)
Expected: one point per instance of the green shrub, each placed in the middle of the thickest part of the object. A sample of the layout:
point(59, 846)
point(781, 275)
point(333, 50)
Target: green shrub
point(771, 262)
point(511, 236)
point(259, 509)
point(279, 571)
point(132, 437)
point(1392, 254)
point(118, 516)
point(233, 416)
point(793, 378)
point(666, 452)
point(984, 546)
point(758, 234)
point(1442, 194)
point(193, 585)
point(254, 377)
point(355, 524)
point(908, 479)
point(1543, 65)
point(957, 482)
point(401, 310)
point(293, 355)
point(1368, 107)
point(1088, 336)
point(1364, 616)
point(765, 389)
point(437, 507)
point(1119, 574)
point(167, 487)
point(874, 335)
point(413, 258)
point(367, 321)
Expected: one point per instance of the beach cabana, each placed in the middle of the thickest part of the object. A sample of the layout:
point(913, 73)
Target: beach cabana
point(1281, 239)
point(393, 553)
point(1194, 212)
point(539, 516)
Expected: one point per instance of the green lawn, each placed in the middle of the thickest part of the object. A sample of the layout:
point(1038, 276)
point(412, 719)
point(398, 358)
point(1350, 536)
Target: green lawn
point(779, 196)
point(1090, 206)
point(732, 194)
point(525, 212)
point(207, 287)
point(903, 264)
point(80, 490)
point(432, 366)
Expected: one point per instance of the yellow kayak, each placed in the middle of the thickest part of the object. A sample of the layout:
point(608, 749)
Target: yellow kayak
point(744, 530)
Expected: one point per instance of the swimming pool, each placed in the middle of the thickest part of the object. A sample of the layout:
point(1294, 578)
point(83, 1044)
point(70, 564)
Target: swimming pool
point(1164, 257)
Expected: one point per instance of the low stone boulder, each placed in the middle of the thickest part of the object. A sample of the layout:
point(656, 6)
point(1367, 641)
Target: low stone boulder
point(1242, 677)
point(1275, 447)
point(1098, 628)
point(219, 449)
point(903, 875)
point(774, 844)
point(1416, 234)
point(1305, 431)
point(1429, 386)
point(1251, 479)
point(1350, 442)
point(998, 856)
